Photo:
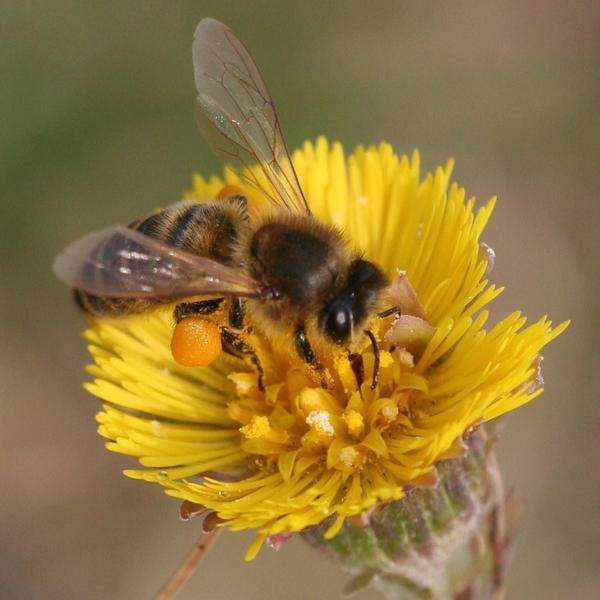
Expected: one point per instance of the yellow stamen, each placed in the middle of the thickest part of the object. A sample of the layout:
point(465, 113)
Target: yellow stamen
point(349, 456)
point(354, 422)
point(320, 422)
point(385, 360)
point(390, 411)
point(258, 427)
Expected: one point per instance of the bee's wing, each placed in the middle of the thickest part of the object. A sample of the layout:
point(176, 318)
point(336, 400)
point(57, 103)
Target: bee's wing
point(123, 263)
point(237, 116)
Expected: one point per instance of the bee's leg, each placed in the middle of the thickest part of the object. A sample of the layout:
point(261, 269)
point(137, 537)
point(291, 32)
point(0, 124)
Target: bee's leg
point(375, 379)
point(395, 310)
point(356, 364)
point(307, 354)
point(195, 309)
point(234, 344)
point(236, 313)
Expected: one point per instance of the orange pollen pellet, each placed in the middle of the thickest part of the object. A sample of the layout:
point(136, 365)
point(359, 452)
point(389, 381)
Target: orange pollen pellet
point(196, 342)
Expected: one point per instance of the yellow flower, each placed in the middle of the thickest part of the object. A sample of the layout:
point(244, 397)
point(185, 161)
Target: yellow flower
point(297, 453)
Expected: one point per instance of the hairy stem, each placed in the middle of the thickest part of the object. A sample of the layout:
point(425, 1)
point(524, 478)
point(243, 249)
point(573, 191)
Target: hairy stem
point(448, 541)
point(188, 566)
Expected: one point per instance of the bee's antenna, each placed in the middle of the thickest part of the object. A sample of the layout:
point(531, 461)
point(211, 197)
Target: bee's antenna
point(376, 357)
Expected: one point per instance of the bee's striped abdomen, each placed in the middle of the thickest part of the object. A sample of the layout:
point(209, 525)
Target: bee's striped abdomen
point(208, 229)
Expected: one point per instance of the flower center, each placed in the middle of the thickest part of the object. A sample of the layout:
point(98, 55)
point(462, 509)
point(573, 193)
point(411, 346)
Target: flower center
point(344, 426)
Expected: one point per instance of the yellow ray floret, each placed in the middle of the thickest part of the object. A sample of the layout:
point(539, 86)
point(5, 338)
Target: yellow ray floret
point(290, 456)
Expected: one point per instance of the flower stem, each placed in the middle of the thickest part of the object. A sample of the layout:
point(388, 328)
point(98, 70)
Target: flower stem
point(448, 541)
point(188, 566)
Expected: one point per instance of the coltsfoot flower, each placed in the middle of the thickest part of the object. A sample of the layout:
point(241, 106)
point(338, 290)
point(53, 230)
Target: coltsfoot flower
point(299, 454)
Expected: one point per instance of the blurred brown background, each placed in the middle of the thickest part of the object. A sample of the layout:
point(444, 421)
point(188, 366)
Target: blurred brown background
point(96, 127)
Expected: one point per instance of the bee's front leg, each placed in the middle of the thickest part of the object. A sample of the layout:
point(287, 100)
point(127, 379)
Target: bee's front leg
point(376, 359)
point(196, 309)
point(307, 354)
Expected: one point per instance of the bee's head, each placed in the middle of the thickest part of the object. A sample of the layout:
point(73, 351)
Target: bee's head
point(353, 303)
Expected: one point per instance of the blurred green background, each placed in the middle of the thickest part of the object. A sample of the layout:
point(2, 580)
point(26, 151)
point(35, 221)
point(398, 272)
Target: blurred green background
point(97, 127)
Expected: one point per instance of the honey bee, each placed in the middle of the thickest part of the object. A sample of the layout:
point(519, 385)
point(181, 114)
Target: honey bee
point(283, 270)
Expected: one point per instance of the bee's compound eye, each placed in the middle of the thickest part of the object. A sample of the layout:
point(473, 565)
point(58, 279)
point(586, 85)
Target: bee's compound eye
point(338, 323)
point(195, 342)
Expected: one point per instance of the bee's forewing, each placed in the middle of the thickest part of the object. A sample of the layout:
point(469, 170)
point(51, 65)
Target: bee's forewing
point(119, 262)
point(236, 114)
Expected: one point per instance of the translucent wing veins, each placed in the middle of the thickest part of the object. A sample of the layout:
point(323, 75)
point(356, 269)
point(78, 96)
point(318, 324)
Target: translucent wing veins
point(123, 263)
point(237, 115)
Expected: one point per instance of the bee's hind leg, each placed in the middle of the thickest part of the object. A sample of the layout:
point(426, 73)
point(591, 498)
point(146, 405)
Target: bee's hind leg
point(234, 344)
point(196, 309)
point(236, 313)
